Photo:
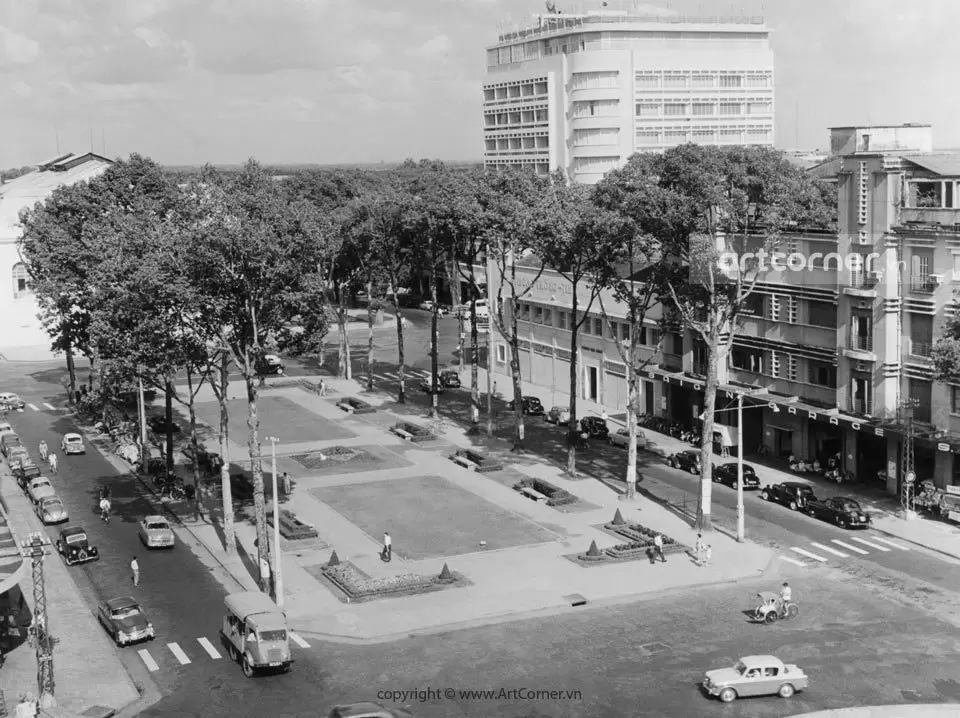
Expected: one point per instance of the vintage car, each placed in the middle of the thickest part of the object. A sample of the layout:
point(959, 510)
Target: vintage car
point(727, 474)
point(25, 471)
point(621, 437)
point(159, 425)
point(426, 386)
point(40, 488)
point(74, 546)
point(427, 306)
point(792, 494)
point(368, 710)
point(840, 510)
point(558, 415)
point(155, 532)
point(17, 454)
point(72, 444)
point(6, 428)
point(529, 405)
point(755, 676)
point(11, 401)
point(450, 379)
point(51, 510)
point(686, 460)
point(256, 633)
point(8, 441)
point(125, 621)
point(595, 426)
point(269, 365)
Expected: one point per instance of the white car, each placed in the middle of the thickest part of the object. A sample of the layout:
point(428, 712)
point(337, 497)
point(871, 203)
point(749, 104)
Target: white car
point(39, 489)
point(51, 510)
point(621, 437)
point(155, 532)
point(11, 400)
point(427, 306)
point(6, 428)
point(72, 444)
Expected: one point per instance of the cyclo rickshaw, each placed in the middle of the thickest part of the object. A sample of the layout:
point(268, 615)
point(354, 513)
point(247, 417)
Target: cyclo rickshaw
point(769, 611)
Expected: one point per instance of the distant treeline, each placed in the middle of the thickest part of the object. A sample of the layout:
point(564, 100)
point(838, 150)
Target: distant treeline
point(294, 168)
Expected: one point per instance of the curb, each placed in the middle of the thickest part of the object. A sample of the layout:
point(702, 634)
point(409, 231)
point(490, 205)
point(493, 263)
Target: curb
point(939, 551)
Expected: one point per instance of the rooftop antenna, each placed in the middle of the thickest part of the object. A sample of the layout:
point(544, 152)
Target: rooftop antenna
point(91, 139)
point(103, 140)
point(56, 134)
point(796, 124)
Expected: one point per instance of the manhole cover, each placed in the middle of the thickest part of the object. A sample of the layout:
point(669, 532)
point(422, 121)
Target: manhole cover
point(656, 647)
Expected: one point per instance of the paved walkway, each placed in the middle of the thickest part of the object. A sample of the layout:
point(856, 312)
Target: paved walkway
point(82, 642)
point(918, 710)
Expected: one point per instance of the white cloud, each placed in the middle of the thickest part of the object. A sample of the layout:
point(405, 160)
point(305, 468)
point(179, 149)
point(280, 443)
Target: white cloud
point(17, 49)
point(151, 37)
point(436, 47)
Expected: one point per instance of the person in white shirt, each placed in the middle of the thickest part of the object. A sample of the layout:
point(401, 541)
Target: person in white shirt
point(658, 548)
point(135, 569)
point(786, 596)
point(387, 546)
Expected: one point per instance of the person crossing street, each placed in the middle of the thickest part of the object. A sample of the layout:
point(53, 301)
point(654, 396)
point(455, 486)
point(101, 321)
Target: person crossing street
point(54, 463)
point(135, 571)
point(44, 451)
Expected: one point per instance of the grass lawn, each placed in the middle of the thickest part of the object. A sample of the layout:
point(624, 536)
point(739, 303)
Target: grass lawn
point(279, 415)
point(428, 516)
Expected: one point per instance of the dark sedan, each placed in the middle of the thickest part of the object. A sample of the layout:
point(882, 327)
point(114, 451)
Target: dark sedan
point(426, 386)
point(531, 405)
point(840, 510)
point(792, 494)
point(686, 460)
point(159, 425)
point(595, 426)
point(727, 474)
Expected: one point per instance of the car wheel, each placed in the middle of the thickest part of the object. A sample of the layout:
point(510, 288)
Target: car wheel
point(811, 513)
point(771, 617)
point(793, 505)
point(841, 522)
point(728, 695)
point(786, 690)
point(765, 495)
point(671, 463)
point(247, 667)
point(232, 652)
point(694, 470)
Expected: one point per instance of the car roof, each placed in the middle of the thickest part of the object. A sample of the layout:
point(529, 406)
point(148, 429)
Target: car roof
point(71, 531)
point(154, 518)
point(847, 498)
point(51, 499)
point(797, 483)
point(761, 660)
point(119, 602)
point(72, 436)
point(39, 479)
point(249, 603)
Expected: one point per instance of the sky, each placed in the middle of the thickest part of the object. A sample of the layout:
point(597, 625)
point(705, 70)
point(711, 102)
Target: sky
point(337, 81)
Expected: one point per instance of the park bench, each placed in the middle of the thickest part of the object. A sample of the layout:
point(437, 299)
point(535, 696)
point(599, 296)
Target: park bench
point(532, 494)
point(464, 462)
point(402, 433)
point(475, 460)
point(356, 406)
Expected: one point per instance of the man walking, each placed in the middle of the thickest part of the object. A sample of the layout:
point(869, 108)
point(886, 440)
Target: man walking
point(387, 547)
point(658, 548)
point(700, 549)
point(135, 570)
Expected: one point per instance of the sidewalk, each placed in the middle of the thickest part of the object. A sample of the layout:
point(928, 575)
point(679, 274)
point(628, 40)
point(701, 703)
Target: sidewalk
point(82, 642)
point(542, 579)
point(941, 537)
point(917, 710)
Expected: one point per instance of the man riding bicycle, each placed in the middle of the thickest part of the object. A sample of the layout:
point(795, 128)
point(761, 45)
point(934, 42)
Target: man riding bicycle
point(786, 596)
point(43, 451)
point(105, 508)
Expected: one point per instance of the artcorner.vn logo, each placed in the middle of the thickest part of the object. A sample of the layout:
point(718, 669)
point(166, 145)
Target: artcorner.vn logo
point(762, 261)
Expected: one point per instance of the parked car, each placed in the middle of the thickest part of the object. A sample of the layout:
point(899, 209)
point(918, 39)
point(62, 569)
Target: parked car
point(50, 510)
point(7, 441)
point(792, 494)
point(11, 401)
point(125, 621)
point(595, 426)
point(269, 365)
point(450, 379)
point(159, 425)
point(74, 546)
point(6, 428)
point(427, 306)
point(40, 488)
point(72, 444)
point(727, 474)
point(17, 453)
point(558, 415)
point(531, 405)
point(755, 676)
point(621, 437)
point(840, 510)
point(155, 532)
point(25, 471)
point(686, 460)
point(368, 710)
point(427, 386)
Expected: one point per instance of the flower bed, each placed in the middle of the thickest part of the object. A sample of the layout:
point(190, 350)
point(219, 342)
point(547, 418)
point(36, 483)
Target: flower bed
point(483, 462)
point(357, 406)
point(640, 538)
point(555, 495)
point(292, 528)
point(412, 432)
point(356, 584)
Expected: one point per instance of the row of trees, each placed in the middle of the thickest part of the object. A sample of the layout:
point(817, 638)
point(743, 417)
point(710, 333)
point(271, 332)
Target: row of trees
point(149, 275)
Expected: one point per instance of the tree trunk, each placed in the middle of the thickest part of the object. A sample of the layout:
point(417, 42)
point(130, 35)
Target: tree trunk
point(490, 427)
point(256, 468)
point(474, 362)
point(434, 345)
point(633, 402)
point(94, 378)
point(371, 316)
point(72, 374)
point(343, 355)
point(191, 408)
point(168, 414)
point(401, 368)
point(457, 299)
point(573, 433)
point(515, 371)
point(706, 445)
point(226, 489)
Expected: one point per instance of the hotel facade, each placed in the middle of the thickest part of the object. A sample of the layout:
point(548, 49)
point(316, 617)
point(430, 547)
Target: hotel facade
point(838, 351)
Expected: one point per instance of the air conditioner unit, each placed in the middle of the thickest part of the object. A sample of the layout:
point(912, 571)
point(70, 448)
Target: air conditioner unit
point(860, 366)
point(874, 276)
point(935, 279)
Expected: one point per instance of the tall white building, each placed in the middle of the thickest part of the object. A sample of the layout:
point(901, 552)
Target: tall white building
point(585, 91)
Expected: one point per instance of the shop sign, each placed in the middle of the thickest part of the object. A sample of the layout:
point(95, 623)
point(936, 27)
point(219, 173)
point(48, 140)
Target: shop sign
point(878, 432)
point(855, 427)
point(834, 421)
point(943, 447)
point(792, 410)
point(954, 515)
point(954, 490)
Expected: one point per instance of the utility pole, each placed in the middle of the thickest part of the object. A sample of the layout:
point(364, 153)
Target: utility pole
point(34, 548)
point(908, 474)
point(142, 406)
point(277, 563)
point(741, 522)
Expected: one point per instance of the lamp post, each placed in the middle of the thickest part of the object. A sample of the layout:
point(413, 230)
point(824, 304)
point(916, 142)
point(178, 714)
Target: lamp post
point(908, 474)
point(35, 548)
point(277, 567)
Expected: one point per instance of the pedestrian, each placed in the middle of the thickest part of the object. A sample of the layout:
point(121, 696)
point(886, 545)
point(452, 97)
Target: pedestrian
point(323, 387)
point(77, 395)
point(387, 546)
point(603, 415)
point(700, 550)
point(135, 570)
point(54, 464)
point(707, 554)
point(287, 483)
point(658, 548)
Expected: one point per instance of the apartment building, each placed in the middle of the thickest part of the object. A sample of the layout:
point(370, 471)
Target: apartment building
point(828, 356)
point(582, 92)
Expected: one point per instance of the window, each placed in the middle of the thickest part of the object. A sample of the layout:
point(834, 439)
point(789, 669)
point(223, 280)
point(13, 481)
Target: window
point(613, 331)
point(758, 108)
point(20, 280)
point(921, 391)
point(625, 333)
point(956, 270)
point(674, 81)
point(524, 312)
point(595, 80)
point(701, 109)
point(537, 315)
point(822, 314)
point(821, 374)
point(729, 108)
point(561, 320)
point(753, 304)
point(648, 137)
point(703, 136)
point(921, 335)
point(594, 165)
point(955, 405)
point(648, 109)
point(501, 354)
point(597, 326)
point(747, 359)
point(674, 137)
point(674, 109)
point(647, 82)
point(701, 81)
point(731, 80)
point(547, 317)
point(593, 138)
point(596, 108)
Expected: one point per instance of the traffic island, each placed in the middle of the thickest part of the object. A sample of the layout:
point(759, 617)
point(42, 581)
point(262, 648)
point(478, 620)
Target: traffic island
point(544, 492)
point(351, 584)
point(639, 544)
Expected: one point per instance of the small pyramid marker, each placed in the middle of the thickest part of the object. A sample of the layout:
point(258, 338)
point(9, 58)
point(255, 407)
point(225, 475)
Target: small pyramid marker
point(445, 574)
point(334, 559)
point(618, 519)
point(593, 550)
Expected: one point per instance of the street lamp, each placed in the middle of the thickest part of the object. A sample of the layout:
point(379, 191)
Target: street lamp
point(741, 513)
point(277, 568)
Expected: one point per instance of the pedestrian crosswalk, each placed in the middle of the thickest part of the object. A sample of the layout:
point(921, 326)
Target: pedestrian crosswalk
point(412, 375)
point(162, 656)
point(44, 406)
point(817, 553)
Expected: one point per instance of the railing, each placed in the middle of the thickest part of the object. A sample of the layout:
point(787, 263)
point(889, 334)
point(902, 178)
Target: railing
point(922, 284)
point(699, 368)
point(560, 22)
point(860, 406)
point(860, 342)
point(672, 362)
point(920, 349)
point(930, 215)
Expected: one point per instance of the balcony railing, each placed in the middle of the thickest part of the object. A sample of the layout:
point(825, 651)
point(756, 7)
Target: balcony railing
point(862, 279)
point(861, 406)
point(920, 349)
point(699, 368)
point(930, 215)
point(860, 342)
point(922, 284)
point(672, 362)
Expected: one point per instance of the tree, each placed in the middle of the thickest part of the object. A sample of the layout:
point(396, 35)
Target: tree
point(510, 230)
point(704, 205)
point(946, 352)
